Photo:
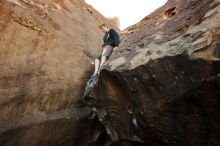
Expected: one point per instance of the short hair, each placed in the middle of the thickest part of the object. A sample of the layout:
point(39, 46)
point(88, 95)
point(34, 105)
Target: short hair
point(102, 25)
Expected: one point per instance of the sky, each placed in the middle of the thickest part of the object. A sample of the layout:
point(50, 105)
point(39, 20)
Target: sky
point(129, 12)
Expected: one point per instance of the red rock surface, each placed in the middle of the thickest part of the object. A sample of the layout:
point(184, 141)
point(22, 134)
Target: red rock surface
point(160, 88)
point(46, 51)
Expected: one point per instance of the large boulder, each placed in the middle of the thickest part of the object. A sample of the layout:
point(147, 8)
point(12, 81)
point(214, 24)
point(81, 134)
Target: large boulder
point(162, 85)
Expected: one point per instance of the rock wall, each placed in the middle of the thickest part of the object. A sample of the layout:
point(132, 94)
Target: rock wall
point(46, 54)
point(162, 85)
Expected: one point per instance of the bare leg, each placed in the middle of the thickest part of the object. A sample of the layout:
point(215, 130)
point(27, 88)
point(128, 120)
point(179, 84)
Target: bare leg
point(97, 63)
point(103, 59)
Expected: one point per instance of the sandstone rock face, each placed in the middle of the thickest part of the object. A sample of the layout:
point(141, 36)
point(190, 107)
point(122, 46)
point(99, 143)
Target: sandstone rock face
point(46, 51)
point(162, 85)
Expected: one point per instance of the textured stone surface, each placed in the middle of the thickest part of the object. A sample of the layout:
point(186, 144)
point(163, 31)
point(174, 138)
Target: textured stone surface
point(160, 88)
point(46, 51)
point(162, 85)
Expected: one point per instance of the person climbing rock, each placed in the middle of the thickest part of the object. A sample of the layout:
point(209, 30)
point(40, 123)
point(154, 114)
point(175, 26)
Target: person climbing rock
point(110, 43)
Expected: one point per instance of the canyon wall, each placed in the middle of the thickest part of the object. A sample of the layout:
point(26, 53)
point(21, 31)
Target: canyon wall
point(46, 55)
point(161, 87)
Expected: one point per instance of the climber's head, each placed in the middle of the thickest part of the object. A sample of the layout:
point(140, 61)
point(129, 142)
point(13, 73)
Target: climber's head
point(104, 27)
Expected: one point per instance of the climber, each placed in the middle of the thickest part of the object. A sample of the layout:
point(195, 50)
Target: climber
point(110, 43)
